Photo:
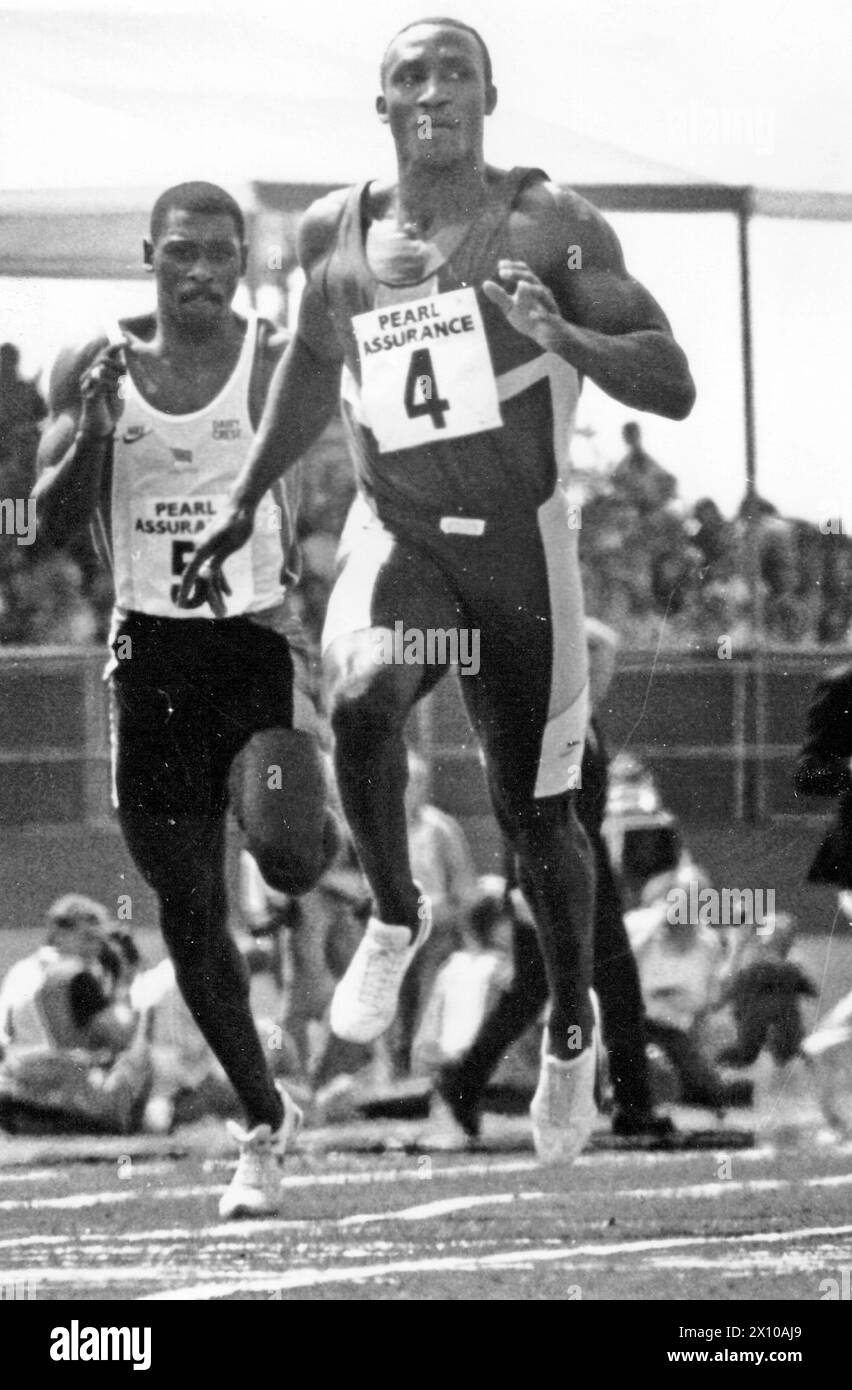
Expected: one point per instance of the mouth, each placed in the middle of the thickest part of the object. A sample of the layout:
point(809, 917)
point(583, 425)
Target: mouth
point(195, 296)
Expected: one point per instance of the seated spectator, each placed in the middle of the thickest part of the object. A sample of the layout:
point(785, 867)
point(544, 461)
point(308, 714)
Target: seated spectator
point(73, 1054)
point(638, 478)
point(828, 1050)
point(468, 983)
point(680, 965)
point(442, 865)
point(764, 990)
point(186, 1079)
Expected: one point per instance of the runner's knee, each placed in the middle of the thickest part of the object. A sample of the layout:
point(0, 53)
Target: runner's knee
point(362, 706)
point(293, 862)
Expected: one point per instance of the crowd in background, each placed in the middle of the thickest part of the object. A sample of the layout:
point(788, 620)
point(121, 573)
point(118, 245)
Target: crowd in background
point(658, 572)
point(93, 1037)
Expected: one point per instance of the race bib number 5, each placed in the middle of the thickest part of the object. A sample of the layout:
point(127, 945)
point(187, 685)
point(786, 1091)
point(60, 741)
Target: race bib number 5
point(426, 371)
point(165, 535)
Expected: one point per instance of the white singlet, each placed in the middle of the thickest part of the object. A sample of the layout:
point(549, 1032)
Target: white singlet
point(171, 475)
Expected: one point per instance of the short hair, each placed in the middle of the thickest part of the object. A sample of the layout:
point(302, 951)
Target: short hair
point(444, 21)
point(205, 198)
point(75, 909)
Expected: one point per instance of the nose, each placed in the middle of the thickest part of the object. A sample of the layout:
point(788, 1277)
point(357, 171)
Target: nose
point(434, 91)
point(201, 268)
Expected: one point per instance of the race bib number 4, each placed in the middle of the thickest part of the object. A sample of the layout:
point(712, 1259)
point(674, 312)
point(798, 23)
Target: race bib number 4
point(426, 371)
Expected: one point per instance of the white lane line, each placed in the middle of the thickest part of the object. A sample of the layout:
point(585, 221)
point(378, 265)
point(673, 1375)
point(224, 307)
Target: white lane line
point(371, 1177)
point(427, 1210)
point(101, 1276)
point(312, 1278)
point(79, 1201)
point(716, 1190)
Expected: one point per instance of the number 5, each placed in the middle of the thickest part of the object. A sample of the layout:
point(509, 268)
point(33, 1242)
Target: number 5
point(181, 551)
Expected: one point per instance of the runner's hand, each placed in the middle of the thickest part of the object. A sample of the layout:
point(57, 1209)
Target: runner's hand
point(204, 571)
point(527, 303)
point(101, 392)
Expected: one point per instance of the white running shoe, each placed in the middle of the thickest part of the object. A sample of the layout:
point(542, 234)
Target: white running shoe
point(564, 1107)
point(255, 1188)
point(364, 1003)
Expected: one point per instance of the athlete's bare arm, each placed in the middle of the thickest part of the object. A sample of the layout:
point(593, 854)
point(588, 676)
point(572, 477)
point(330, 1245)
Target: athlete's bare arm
point(302, 399)
point(583, 304)
point(84, 406)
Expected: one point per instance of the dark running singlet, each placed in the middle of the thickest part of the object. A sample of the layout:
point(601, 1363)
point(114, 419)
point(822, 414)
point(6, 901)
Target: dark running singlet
point(449, 409)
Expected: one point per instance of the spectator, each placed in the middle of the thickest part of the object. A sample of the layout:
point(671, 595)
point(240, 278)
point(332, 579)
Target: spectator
point(764, 991)
point(74, 1055)
point(638, 478)
point(469, 981)
point(21, 412)
point(680, 964)
point(442, 865)
point(186, 1079)
point(713, 539)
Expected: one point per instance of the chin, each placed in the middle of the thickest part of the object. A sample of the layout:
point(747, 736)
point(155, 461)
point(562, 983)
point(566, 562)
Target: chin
point(440, 154)
point(203, 324)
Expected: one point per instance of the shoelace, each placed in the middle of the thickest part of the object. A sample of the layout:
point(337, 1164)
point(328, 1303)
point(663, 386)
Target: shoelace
point(381, 971)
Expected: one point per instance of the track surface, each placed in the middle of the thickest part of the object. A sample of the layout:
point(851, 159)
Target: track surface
point(722, 1222)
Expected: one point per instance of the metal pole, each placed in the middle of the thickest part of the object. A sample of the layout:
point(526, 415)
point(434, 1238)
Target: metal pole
point(743, 217)
point(758, 799)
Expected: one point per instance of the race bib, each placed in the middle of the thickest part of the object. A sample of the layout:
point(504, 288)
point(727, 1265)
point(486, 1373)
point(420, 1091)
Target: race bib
point(163, 540)
point(426, 371)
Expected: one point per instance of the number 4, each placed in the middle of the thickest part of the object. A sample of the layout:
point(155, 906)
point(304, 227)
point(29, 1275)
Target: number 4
point(421, 377)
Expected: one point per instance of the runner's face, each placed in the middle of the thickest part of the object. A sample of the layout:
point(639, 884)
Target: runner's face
point(435, 98)
point(198, 260)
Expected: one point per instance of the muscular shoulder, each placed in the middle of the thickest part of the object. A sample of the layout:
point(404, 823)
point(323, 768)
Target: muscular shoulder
point(71, 362)
point(318, 228)
point(550, 220)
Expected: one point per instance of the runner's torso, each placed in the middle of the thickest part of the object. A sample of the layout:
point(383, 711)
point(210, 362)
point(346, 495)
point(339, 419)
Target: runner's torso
point(449, 409)
point(169, 479)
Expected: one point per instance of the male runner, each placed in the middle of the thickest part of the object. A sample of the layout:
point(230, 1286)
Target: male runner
point(151, 422)
point(464, 305)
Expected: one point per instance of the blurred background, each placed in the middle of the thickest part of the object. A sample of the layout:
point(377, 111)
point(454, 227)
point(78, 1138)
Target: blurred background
point(714, 137)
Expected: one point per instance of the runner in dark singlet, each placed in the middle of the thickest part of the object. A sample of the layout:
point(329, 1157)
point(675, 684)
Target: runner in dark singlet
point(464, 305)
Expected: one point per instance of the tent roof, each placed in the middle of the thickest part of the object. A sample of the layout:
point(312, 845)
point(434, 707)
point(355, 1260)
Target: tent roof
point(97, 233)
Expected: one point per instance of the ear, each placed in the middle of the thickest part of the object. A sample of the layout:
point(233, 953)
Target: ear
point(382, 109)
point(490, 99)
point(148, 253)
point(244, 255)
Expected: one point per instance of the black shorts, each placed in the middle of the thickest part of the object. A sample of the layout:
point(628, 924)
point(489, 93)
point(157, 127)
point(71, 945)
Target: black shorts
point(188, 694)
